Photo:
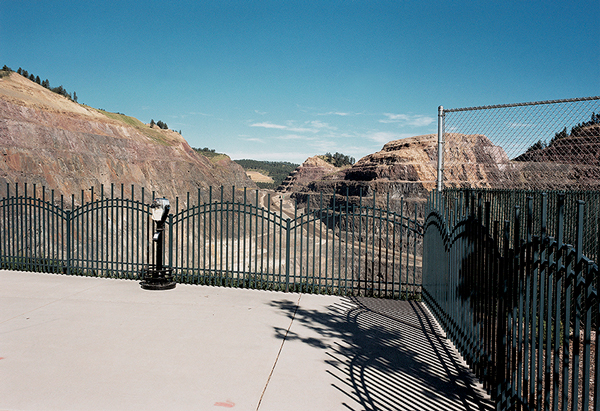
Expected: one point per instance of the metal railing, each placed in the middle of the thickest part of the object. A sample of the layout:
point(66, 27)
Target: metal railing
point(520, 305)
point(546, 145)
point(245, 239)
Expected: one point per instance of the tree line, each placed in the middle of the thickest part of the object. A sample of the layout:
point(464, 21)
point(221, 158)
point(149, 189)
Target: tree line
point(207, 152)
point(162, 125)
point(5, 71)
point(44, 83)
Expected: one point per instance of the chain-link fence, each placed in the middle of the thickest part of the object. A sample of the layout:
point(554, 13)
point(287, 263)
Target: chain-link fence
point(549, 145)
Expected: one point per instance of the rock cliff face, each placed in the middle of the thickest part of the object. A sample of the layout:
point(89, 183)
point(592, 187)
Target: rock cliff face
point(48, 140)
point(408, 160)
point(580, 148)
point(472, 160)
point(414, 160)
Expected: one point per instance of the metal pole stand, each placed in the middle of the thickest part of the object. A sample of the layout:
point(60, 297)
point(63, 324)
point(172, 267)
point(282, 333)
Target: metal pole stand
point(156, 276)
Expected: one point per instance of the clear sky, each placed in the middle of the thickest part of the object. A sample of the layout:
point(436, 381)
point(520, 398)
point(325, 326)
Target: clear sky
point(285, 80)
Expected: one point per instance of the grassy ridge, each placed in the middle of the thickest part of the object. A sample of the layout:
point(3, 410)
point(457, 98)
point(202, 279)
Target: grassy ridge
point(138, 125)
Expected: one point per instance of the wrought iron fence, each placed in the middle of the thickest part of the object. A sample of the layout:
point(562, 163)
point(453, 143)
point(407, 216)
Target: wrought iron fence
point(520, 305)
point(459, 201)
point(549, 145)
point(248, 239)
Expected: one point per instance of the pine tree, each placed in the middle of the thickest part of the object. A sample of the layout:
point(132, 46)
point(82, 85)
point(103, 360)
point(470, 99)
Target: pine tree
point(540, 145)
point(557, 136)
point(5, 71)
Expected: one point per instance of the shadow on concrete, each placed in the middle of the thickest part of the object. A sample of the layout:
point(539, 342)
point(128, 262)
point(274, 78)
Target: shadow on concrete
point(388, 355)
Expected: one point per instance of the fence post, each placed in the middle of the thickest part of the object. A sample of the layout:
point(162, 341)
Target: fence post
point(170, 217)
point(440, 162)
point(501, 344)
point(579, 283)
point(69, 242)
point(287, 255)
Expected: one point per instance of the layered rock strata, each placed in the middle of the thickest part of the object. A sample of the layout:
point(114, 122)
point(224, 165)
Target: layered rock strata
point(407, 169)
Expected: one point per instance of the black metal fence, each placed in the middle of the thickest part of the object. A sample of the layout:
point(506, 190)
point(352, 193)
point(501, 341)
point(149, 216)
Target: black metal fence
point(520, 305)
point(503, 202)
point(242, 239)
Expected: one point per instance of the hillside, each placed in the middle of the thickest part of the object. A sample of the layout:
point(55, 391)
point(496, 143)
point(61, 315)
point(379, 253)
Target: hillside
point(314, 168)
point(49, 140)
point(580, 146)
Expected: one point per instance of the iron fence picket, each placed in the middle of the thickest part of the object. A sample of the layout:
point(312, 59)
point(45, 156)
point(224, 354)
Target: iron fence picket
point(589, 295)
point(558, 301)
point(596, 389)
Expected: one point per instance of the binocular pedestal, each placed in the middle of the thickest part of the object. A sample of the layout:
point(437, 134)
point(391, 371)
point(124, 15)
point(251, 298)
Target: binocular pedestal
point(156, 276)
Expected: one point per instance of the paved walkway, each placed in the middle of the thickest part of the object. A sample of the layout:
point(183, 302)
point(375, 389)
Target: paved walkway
point(75, 343)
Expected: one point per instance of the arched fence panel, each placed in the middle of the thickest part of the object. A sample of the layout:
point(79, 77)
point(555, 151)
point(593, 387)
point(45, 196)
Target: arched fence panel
point(256, 242)
point(111, 238)
point(33, 233)
point(103, 235)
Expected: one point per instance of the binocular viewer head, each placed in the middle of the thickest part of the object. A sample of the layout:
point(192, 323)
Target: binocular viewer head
point(160, 209)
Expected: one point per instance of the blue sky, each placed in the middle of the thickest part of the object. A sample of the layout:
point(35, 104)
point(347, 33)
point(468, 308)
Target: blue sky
point(285, 80)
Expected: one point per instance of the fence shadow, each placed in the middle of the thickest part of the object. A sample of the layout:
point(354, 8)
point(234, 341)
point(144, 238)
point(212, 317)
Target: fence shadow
point(387, 354)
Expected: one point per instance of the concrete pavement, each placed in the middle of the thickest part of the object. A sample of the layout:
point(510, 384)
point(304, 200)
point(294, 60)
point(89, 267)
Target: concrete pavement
point(77, 343)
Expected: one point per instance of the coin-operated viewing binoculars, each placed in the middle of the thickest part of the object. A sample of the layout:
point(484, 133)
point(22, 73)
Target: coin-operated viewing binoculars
point(156, 276)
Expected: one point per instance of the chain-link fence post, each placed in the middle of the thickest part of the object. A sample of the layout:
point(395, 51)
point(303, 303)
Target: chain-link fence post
point(440, 162)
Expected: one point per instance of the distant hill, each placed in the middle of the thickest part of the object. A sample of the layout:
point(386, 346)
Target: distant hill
point(277, 170)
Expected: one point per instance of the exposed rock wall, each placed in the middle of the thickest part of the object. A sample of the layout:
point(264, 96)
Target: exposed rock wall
point(47, 140)
point(471, 160)
point(410, 160)
point(407, 168)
